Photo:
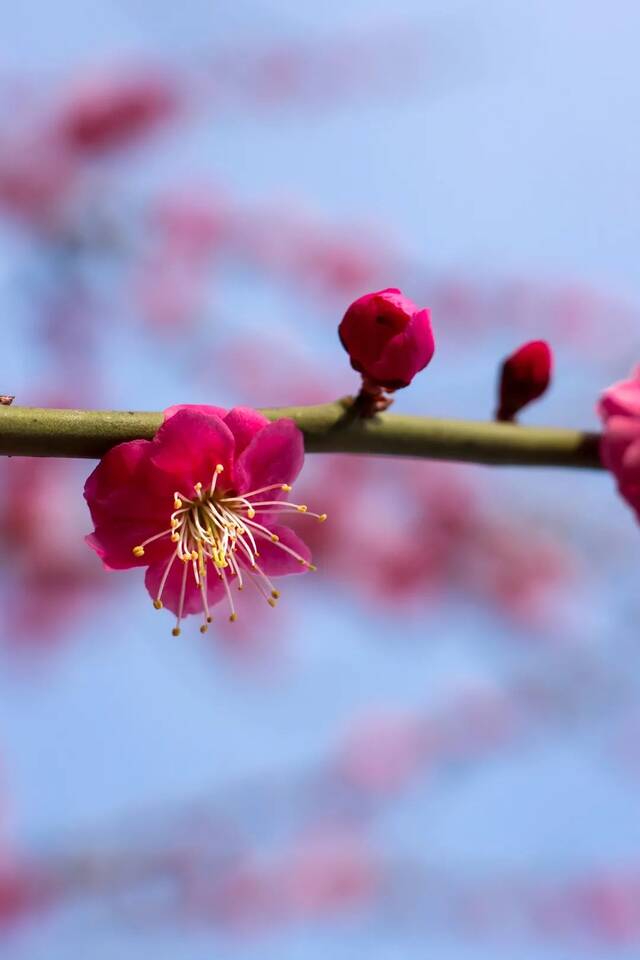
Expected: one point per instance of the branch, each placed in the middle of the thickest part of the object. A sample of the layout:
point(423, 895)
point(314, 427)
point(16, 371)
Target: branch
point(327, 428)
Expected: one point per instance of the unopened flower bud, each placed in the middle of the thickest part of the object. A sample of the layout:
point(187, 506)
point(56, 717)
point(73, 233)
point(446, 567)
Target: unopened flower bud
point(388, 338)
point(524, 376)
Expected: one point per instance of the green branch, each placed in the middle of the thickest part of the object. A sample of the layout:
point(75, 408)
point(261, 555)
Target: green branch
point(327, 428)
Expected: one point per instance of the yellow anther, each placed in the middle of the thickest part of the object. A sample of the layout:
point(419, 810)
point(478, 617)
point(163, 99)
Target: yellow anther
point(177, 503)
point(197, 487)
point(204, 628)
point(274, 538)
point(286, 487)
point(194, 554)
point(219, 468)
point(322, 518)
point(251, 513)
point(311, 566)
point(157, 604)
point(271, 602)
point(176, 631)
point(175, 522)
point(233, 617)
point(302, 508)
point(175, 537)
point(138, 551)
point(275, 594)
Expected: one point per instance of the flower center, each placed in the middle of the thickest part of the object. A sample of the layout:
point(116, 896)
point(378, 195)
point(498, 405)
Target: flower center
point(216, 534)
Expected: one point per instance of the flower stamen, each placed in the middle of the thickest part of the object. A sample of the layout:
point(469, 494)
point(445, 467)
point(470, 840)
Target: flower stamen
point(183, 590)
point(209, 528)
point(138, 551)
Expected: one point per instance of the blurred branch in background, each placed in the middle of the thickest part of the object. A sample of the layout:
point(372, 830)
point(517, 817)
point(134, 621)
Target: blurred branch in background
point(255, 856)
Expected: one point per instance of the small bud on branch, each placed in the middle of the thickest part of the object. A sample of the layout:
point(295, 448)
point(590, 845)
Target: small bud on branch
point(524, 377)
point(389, 340)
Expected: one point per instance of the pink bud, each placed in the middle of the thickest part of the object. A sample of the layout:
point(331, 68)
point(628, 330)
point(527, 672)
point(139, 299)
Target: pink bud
point(525, 376)
point(388, 338)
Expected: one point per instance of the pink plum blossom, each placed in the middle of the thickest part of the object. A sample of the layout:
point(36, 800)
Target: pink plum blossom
point(46, 582)
point(383, 751)
point(114, 108)
point(619, 408)
point(328, 870)
point(37, 179)
point(198, 506)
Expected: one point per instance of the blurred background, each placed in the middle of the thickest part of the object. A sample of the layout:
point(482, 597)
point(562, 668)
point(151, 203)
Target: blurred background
point(432, 745)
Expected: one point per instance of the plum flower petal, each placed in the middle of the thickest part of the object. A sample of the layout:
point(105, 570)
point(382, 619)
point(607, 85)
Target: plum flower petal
point(619, 408)
point(621, 436)
point(274, 456)
point(189, 446)
point(199, 505)
point(117, 466)
point(622, 398)
point(406, 350)
point(121, 483)
point(111, 541)
point(275, 558)
point(244, 424)
point(204, 408)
